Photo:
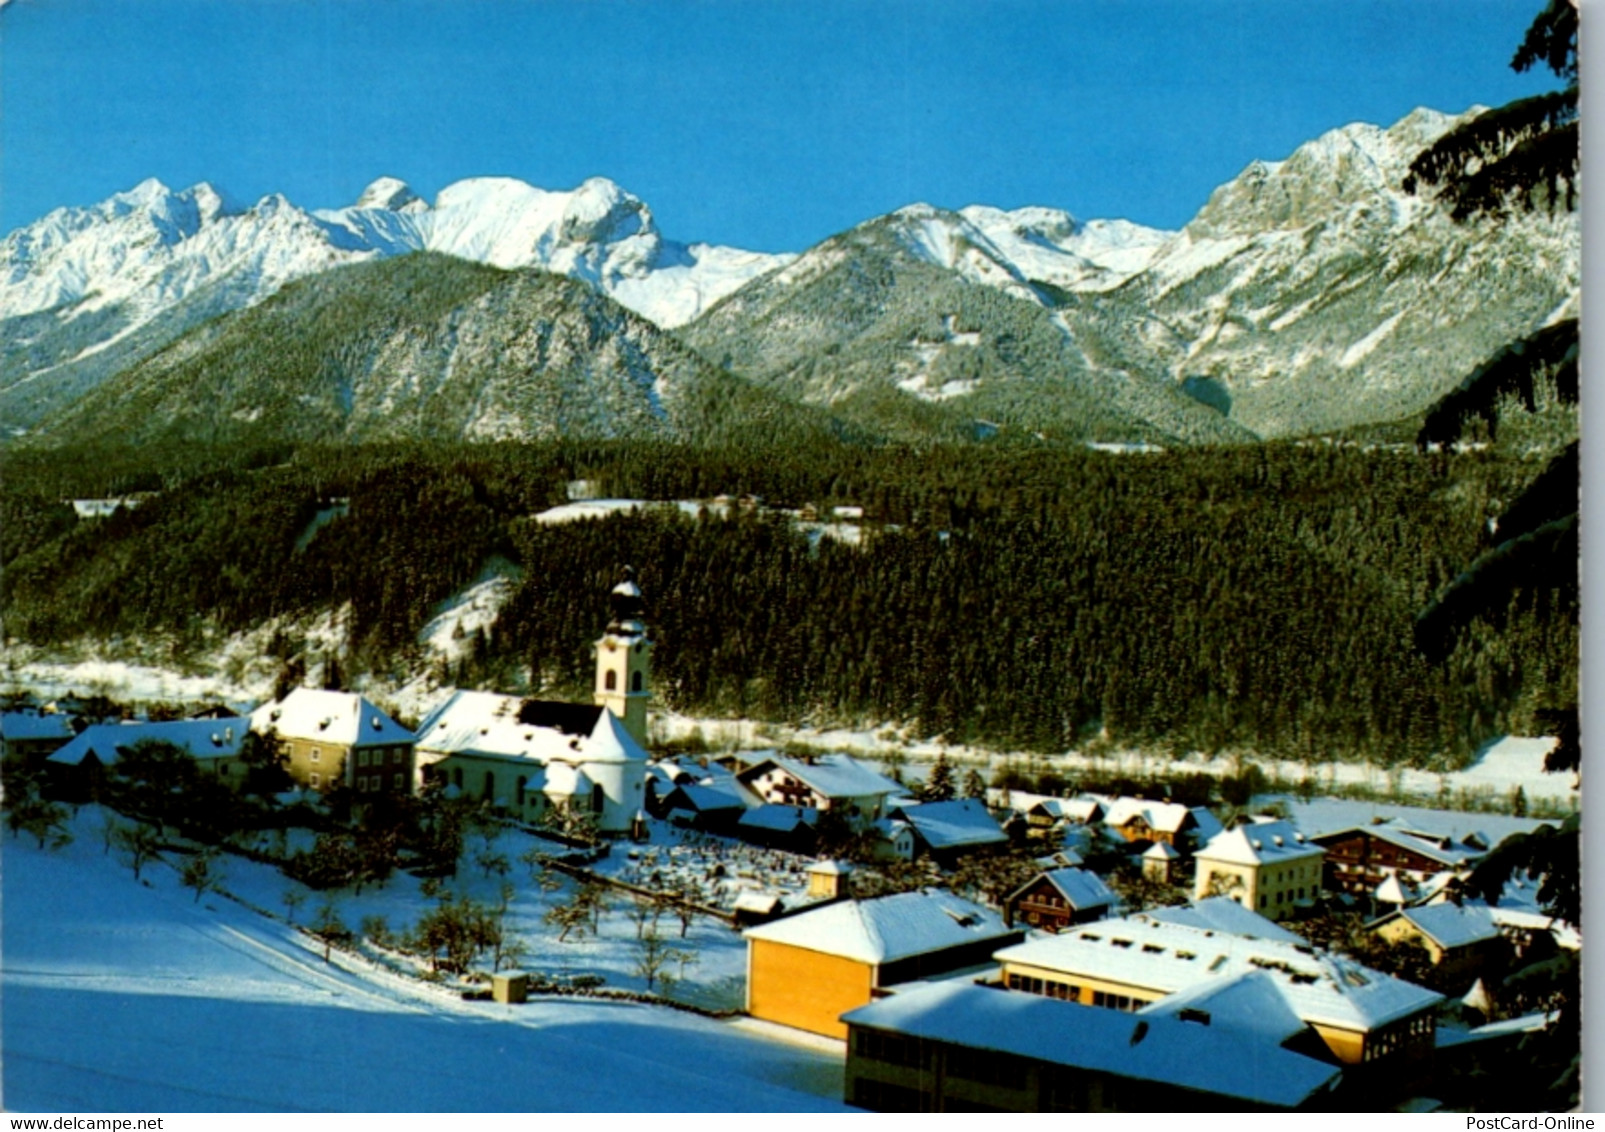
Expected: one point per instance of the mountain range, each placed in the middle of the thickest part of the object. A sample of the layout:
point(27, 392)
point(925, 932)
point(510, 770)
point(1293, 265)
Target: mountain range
point(1307, 295)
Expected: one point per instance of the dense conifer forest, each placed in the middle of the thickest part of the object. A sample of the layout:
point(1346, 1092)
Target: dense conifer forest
point(1254, 598)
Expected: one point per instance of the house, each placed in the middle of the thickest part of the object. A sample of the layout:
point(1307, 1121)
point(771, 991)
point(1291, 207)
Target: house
point(1267, 866)
point(1047, 814)
point(958, 1047)
point(808, 969)
point(894, 840)
point(334, 739)
point(695, 806)
point(1461, 941)
point(1055, 899)
point(528, 757)
point(824, 783)
point(948, 830)
point(1220, 914)
point(1360, 1015)
point(1360, 858)
point(77, 769)
point(1138, 819)
point(32, 736)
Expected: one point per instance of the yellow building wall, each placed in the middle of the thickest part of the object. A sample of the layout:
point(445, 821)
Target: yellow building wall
point(330, 766)
point(1346, 1045)
point(1400, 930)
point(805, 989)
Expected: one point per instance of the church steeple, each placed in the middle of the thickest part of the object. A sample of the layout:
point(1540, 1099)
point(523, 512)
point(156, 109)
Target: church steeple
point(624, 659)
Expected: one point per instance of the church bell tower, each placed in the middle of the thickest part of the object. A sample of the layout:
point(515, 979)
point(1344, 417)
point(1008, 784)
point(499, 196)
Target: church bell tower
point(624, 660)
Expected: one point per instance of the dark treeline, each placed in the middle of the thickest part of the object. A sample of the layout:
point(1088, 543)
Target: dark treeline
point(1031, 598)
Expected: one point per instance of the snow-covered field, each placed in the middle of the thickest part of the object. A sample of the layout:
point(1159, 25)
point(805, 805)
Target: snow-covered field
point(124, 996)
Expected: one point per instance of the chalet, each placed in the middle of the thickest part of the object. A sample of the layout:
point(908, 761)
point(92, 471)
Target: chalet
point(1047, 814)
point(31, 736)
point(528, 757)
point(1461, 941)
point(949, 830)
point(1360, 1015)
point(334, 739)
point(958, 1047)
point(1056, 899)
point(1137, 819)
point(1360, 858)
point(807, 969)
point(77, 769)
point(821, 782)
point(1267, 866)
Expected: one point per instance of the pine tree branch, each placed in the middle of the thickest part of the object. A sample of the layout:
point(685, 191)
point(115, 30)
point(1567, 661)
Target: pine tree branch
point(1513, 371)
point(1502, 156)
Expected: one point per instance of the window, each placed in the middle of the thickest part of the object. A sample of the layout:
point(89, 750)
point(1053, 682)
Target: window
point(1262, 900)
point(398, 756)
point(362, 758)
point(635, 682)
point(317, 755)
point(316, 778)
point(611, 680)
point(398, 782)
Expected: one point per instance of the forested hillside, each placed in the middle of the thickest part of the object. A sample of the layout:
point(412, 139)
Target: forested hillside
point(1254, 597)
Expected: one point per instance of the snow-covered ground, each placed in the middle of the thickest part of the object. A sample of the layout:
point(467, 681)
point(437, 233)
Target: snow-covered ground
point(124, 996)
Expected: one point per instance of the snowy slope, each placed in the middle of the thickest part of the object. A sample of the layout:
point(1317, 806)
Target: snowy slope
point(121, 997)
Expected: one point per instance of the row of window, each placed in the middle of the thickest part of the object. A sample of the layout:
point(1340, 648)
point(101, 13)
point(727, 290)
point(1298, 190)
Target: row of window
point(372, 783)
point(398, 756)
point(892, 1049)
point(1045, 987)
point(610, 681)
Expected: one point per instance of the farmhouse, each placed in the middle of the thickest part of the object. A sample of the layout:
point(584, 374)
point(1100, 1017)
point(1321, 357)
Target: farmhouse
point(1461, 941)
point(1138, 819)
point(821, 782)
point(1360, 858)
point(334, 739)
point(77, 770)
point(1267, 866)
point(33, 736)
point(807, 969)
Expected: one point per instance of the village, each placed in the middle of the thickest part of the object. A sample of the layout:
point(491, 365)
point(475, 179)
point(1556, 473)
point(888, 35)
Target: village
point(962, 945)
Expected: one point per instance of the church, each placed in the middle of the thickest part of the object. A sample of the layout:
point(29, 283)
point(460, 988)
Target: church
point(530, 757)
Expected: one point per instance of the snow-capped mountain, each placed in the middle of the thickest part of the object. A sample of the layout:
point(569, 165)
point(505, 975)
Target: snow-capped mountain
point(1308, 294)
point(85, 292)
point(425, 347)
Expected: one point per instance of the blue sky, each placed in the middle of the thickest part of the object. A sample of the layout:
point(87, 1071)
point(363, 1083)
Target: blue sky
point(765, 124)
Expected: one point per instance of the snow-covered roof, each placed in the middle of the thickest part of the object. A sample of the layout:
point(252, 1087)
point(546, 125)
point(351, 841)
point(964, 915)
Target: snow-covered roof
point(1161, 851)
point(1079, 888)
point(1063, 859)
point(1166, 957)
point(887, 928)
point(343, 718)
point(17, 725)
point(1165, 817)
point(1392, 890)
point(1248, 1001)
point(1430, 847)
point(951, 824)
point(1449, 925)
point(488, 724)
point(201, 738)
point(1067, 809)
point(703, 799)
point(1221, 914)
point(830, 776)
point(761, 903)
point(1159, 1047)
point(778, 818)
point(1321, 816)
point(1260, 843)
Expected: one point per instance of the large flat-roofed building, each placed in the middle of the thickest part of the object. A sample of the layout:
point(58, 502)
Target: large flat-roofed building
point(959, 1047)
point(1361, 1015)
